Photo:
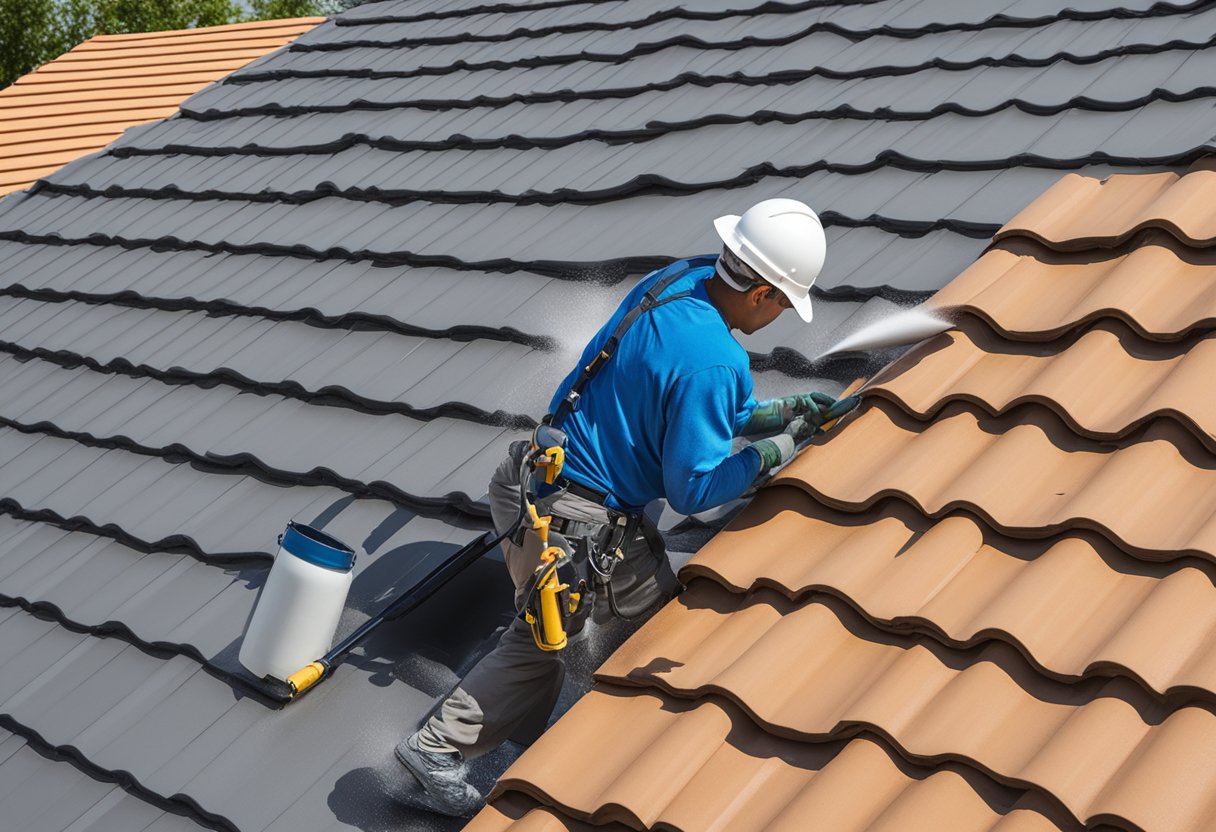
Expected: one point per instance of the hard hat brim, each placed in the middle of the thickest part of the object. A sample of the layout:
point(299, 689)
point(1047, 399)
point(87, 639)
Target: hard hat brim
point(725, 226)
point(802, 305)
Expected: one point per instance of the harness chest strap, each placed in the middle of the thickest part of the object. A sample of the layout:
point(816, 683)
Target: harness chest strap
point(650, 300)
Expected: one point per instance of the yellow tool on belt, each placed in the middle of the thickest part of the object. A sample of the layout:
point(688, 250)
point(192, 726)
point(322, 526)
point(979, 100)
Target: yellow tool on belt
point(550, 603)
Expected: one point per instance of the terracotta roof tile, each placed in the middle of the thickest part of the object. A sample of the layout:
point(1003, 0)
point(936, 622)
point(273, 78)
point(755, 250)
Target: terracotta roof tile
point(1073, 380)
point(1026, 476)
point(1008, 287)
point(1080, 212)
point(1075, 605)
point(84, 99)
point(1087, 749)
point(684, 765)
point(517, 813)
point(1001, 569)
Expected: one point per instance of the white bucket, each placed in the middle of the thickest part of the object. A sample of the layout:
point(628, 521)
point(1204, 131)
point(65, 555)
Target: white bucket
point(297, 613)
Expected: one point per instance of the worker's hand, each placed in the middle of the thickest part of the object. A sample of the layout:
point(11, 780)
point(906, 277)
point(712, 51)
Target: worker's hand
point(807, 404)
point(841, 407)
point(804, 427)
point(780, 449)
point(811, 408)
point(774, 414)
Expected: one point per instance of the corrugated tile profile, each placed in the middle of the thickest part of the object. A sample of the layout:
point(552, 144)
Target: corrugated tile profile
point(86, 98)
point(1007, 287)
point(1080, 212)
point(800, 671)
point(1026, 475)
point(1004, 565)
point(1075, 605)
point(518, 813)
point(681, 765)
point(1074, 380)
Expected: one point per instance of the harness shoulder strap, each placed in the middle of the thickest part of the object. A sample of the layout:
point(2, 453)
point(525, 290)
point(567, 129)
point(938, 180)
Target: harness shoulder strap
point(650, 300)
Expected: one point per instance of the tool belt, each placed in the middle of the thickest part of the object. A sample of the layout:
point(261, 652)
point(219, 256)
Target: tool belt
point(560, 594)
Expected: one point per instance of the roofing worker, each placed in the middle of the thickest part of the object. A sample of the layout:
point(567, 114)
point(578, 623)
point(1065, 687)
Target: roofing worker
point(657, 420)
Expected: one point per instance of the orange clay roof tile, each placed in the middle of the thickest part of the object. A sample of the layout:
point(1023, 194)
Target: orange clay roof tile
point(84, 99)
point(683, 765)
point(516, 813)
point(69, 123)
point(1076, 606)
point(1074, 380)
point(1090, 750)
point(66, 108)
point(33, 88)
point(1161, 289)
point(179, 59)
point(1079, 212)
point(1027, 476)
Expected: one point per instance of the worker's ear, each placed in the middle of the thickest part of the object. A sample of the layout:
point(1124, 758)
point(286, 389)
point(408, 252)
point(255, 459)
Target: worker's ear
point(757, 294)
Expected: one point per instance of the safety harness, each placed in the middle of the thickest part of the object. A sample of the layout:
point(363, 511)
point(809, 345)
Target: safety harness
point(557, 600)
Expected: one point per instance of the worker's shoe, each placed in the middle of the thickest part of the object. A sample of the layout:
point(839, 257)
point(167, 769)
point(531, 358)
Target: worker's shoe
point(442, 777)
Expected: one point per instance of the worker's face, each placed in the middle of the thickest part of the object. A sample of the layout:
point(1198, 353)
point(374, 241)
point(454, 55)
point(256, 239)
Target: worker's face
point(764, 304)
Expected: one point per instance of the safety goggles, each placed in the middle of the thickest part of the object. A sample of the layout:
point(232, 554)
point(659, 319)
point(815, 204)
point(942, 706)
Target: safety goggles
point(747, 276)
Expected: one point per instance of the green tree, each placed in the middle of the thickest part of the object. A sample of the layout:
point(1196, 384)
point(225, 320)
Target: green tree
point(29, 36)
point(33, 32)
point(271, 9)
point(119, 16)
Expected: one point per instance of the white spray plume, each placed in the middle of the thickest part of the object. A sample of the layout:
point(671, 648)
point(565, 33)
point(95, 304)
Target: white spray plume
point(906, 327)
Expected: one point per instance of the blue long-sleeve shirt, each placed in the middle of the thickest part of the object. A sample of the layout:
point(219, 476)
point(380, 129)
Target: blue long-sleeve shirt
point(659, 417)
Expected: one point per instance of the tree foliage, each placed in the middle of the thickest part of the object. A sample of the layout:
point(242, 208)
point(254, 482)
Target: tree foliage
point(33, 32)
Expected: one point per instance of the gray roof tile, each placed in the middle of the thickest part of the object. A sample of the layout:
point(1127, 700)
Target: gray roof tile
point(45, 793)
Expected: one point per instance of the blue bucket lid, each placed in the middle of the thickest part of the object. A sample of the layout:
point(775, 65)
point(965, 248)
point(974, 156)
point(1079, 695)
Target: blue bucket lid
point(316, 547)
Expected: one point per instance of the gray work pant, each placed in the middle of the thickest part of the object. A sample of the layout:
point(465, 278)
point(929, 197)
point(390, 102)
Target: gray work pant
point(516, 678)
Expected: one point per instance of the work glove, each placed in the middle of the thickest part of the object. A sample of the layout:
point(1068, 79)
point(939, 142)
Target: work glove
point(778, 450)
point(774, 414)
point(804, 427)
point(774, 451)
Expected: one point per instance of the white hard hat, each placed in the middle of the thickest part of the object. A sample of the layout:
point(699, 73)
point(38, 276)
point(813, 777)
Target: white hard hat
point(782, 240)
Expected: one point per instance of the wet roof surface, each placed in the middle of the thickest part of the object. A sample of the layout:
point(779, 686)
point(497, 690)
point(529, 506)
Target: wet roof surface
point(335, 285)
